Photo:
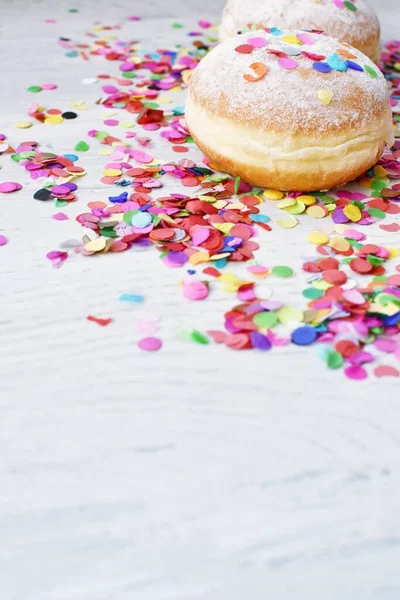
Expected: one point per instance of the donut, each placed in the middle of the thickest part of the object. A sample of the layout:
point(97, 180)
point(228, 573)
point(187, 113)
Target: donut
point(352, 21)
point(291, 110)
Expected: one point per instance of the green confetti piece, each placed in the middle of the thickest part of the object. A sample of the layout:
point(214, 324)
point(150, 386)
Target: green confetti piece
point(371, 72)
point(73, 10)
point(129, 74)
point(237, 184)
point(177, 26)
point(334, 360)
point(312, 293)
point(199, 338)
point(376, 212)
point(108, 232)
point(265, 320)
point(60, 203)
point(282, 271)
point(350, 5)
point(375, 261)
point(34, 89)
point(81, 147)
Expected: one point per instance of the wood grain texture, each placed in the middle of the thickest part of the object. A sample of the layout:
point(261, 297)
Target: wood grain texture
point(195, 474)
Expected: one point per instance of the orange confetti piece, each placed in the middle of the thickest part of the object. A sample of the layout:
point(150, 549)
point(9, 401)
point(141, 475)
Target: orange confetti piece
point(259, 71)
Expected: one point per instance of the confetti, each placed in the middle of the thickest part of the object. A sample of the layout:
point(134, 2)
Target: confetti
point(150, 344)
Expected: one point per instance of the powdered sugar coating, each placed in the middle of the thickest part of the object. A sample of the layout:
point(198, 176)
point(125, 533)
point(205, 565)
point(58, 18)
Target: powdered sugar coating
point(331, 16)
point(288, 99)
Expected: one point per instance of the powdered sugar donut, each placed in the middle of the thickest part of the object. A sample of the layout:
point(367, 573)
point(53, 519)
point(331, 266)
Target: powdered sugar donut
point(350, 20)
point(291, 110)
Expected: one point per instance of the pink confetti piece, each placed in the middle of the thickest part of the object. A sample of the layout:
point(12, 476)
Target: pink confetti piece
point(257, 42)
point(386, 371)
point(3, 240)
point(9, 186)
point(390, 227)
point(60, 216)
point(355, 372)
point(150, 344)
point(288, 63)
point(195, 290)
point(140, 157)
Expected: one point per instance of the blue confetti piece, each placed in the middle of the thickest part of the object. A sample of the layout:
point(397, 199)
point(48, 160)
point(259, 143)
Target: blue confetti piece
point(258, 218)
point(72, 157)
point(354, 66)
point(136, 298)
point(322, 67)
point(119, 199)
point(336, 62)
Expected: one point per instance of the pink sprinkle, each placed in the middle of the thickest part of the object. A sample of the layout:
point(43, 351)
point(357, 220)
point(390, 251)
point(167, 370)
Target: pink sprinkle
point(3, 240)
point(111, 122)
point(338, 3)
point(195, 290)
point(386, 371)
point(257, 42)
point(288, 63)
point(150, 344)
point(204, 24)
point(60, 216)
point(48, 86)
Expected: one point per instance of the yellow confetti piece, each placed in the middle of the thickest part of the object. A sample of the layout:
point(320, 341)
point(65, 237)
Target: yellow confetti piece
point(321, 285)
point(287, 223)
point(53, 119)
point(164, 100)
point(318, 238)
point(220, 204)
point(296, 209)
point(224, 227)
point(317, 211)
point(96, 245)
point(127, 124)
point(107, 114)
point(307, 200)
point(289, 314)
point(291, 39)
point(286, 202)
point(104, 151)
point(273, 194)
point(112, 172)
point(339, 244)
point(325, 96)
point(79, 104)
point(23, 124)
point(352, 212)
point(340, 228)
point(309, 315)
point(199, 257)
point(393, 252)
point(379, 171)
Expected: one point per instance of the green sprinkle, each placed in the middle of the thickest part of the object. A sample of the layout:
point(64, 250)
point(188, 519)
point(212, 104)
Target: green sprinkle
point(237, 184)
point(198, 337)
point(34, 89)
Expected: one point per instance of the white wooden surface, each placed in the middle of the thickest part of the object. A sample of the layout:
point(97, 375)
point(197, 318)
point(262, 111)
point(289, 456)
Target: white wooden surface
point(195, 473)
